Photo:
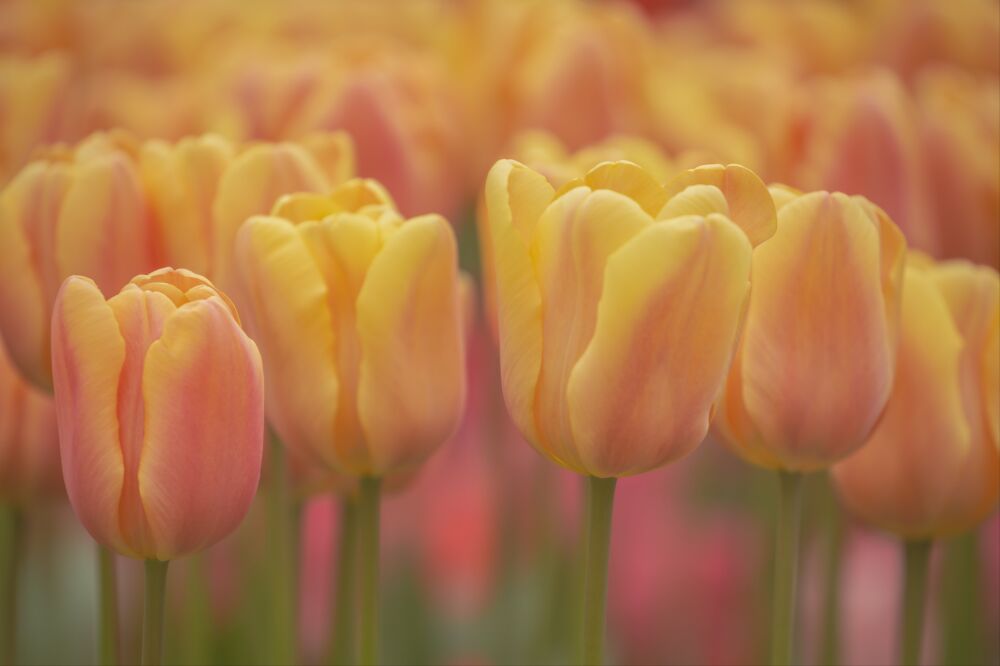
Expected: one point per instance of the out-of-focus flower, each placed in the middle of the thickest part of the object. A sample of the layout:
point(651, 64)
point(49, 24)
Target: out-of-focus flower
point(257, 177)
point(29, 442)
point(160, 401)
point(932, 466)
point(79, 212)
point(814, 366)
point(616, 374)
point(358, 313)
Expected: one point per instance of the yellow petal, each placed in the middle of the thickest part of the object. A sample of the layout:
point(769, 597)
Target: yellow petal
point(641, 394)
point(334, 151)
point(695, 199)
point(87, 356)
point(574, 238)
point(750, 204)
point(515, 198)
point(288, 316)
point(629, 179)
point(902, 478)
point(303, 207)
point(818, 351)
point(411, 390)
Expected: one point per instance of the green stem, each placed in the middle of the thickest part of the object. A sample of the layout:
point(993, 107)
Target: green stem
point(345, 591)
point(600, 503)
point(917, 555)
point(368, 535)
point(786, 561)
point(10, 558)
point(283, 534)
point(152, 618)
point(108, 631)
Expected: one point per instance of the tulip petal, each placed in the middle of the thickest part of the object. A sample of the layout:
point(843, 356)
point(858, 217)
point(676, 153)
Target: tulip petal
point(292, 324)
point(574, 238)
point(641, 394)
point(334, 152)
point(204, 435)
point(411, 389)
point(515, 198)
point(629, 179)
point(750, 204)
point(902, 477)
point(818, 353)
point(29, 209)
point(87, 357)
point(695, 199)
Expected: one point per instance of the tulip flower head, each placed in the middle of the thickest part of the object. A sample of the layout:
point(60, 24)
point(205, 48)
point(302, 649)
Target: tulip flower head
point(618, 304)
point(932, 467)
point(160, 403)
point(814, 366)
point(358, 314)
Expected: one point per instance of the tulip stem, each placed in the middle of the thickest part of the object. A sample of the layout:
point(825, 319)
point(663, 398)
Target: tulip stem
point(786, 559)
point(10, 544)
point(108, 630)
point(345, 592)
point(916, 559)
point(600, 504)
point(152, 618)
point(283, 535)
point(368, 535)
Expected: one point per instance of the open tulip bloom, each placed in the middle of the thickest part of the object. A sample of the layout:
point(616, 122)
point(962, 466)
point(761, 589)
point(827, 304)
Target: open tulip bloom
point(160, 404)
point(618, 304)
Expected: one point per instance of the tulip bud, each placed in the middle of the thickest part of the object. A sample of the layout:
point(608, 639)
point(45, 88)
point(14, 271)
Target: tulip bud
point(358, 314)
point(618, 307)
point(814, 366)
point(160, 403)
point(29, 443)
point(932, 466)
point(82, 213)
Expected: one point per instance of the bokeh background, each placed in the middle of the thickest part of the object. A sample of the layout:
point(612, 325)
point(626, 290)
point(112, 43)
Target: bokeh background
point(898, 100)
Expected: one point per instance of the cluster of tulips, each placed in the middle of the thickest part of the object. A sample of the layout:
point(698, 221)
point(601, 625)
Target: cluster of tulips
point(234, 252)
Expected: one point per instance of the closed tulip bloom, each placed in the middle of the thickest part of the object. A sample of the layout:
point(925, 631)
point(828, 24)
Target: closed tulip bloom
point(82, 212)
point(619, 302)
point(814, 366)
point(160, 403)
point(29, 442)
point(932, 466)
point(359, 317)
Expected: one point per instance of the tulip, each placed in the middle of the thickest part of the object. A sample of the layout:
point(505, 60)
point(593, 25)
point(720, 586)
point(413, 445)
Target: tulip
point(814, 366)
point(359, 315)
point(82, 212)
point(931, 468)
point(616, 374)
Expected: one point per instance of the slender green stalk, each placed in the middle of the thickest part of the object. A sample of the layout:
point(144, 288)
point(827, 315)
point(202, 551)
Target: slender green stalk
point(917, 555)
point(10, 558)
point(600, 503)
point(963, 623)
point(368, 536)
point(830, 642)
point(152, 617)
point(786, 561)
point(108, 647)
point(282, 530)
point(345, 590)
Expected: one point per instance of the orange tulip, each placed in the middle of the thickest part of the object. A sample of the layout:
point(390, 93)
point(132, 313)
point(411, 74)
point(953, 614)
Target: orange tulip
point(814, 367)
point(932, 467)
point(160, 401)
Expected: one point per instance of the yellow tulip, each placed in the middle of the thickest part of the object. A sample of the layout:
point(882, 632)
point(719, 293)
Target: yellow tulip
point(358, 315)
point(814, 366)
point(932, 467)
point(619, 302)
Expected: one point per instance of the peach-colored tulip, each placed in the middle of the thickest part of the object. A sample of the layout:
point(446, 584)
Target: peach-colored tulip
point(84, 213)
point(358, 313)
point(160, 402)
point(814, 366)
point(932, 466)
point(29, 443)
point(618, 304)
